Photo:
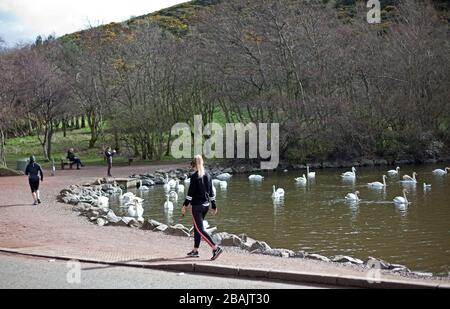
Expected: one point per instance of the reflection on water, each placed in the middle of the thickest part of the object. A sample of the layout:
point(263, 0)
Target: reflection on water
point(316, 217)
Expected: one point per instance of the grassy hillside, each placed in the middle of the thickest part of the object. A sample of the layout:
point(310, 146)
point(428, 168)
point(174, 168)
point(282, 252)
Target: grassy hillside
point(175, 19)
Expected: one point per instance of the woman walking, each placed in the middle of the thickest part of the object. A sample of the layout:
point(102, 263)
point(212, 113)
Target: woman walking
point(33, 171)
point(200, 196)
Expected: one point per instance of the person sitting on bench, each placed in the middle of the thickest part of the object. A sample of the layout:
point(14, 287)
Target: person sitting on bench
point(73, 159)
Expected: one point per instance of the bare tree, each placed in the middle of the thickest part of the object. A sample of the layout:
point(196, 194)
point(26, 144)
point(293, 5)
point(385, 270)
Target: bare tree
point(43, 88)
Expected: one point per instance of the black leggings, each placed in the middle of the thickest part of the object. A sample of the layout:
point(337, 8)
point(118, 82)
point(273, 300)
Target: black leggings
point(198, 213)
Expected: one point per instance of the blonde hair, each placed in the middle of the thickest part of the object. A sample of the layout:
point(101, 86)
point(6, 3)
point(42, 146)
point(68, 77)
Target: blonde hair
point(197, 163)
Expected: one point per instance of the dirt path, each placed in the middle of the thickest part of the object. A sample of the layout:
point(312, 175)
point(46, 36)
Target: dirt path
point(52, 228)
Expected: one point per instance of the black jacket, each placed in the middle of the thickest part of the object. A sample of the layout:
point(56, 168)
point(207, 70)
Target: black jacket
point(71, 156)
point(33, 171)
point(200, 188)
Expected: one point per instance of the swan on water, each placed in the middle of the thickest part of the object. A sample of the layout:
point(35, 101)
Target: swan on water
point(409, 179)
point(301, 180)
point(224, 176)
point(142, 187)
point(393, 172)
point(401, 200)
point(168, 204)
point(349, 175)
point(278, 193)
point(440, 172)
point(377, 184)
point(310, 174)
point(255, 178)
point(352, 197)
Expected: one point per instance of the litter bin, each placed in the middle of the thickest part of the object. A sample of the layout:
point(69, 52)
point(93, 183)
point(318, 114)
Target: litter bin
point(21, 165)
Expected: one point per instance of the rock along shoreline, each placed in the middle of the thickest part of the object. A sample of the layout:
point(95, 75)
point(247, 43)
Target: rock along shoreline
point(85, 201)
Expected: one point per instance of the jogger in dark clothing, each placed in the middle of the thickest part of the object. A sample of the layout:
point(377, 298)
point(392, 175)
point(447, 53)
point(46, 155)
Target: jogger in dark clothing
point(34, 170)
point(200, 195)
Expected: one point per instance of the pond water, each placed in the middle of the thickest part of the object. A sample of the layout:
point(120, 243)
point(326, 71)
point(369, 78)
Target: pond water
point(315, 217)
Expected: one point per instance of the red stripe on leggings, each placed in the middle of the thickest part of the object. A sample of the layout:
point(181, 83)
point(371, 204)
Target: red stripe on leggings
point(196, 227)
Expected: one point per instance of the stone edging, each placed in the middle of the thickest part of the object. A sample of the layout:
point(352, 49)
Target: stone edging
point(85, 201)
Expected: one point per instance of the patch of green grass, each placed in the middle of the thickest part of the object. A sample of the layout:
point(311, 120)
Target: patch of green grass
point(22, 147)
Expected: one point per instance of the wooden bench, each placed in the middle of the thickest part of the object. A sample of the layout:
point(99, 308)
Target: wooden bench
point(65, 162)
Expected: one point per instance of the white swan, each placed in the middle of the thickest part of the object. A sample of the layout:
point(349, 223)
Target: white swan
point(393, 172)
point(377, 184)
point(173, 195)
point(409, 179)
point(168, 204)
point(401, 200)
point(349, 175)
point(180, 188)
point(301, 180)
point(352, 197)
point(216, 182)
point(310, 174)
point(135, 209)
point(255, 178)
point(187, 180)
point(440, 172)
point(103, 202)
point(141, 187)
point(278, 193)
point(166, 187)
point(172, 183)
point(224, 176)
point(223, 184)
point(127, 198)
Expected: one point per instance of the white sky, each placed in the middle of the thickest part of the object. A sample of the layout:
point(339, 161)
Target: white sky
point(23, 20)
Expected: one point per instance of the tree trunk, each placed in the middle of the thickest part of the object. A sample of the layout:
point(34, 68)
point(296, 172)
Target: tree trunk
point(77, 123)
point(64, 126)
point(168, 144)
point(49, 143)
point(2, 149)
point(83, 122)
point(30, 126)
point(92, 122)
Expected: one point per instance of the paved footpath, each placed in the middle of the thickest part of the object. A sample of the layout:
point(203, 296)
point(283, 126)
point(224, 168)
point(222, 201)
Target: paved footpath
point(31, 273)
point(52, 229)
